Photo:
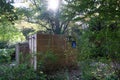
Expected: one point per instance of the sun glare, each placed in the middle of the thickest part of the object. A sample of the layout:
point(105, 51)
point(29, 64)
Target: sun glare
point(53, 4)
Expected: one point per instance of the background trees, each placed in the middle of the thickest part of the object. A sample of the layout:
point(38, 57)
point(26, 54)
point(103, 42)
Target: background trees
point(98, 43)
point(9, 34)
point(50, 19)
point(7, 11)
point(107, 9)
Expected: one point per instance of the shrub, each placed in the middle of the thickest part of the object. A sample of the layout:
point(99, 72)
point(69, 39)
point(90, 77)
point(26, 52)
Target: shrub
point(5, 55)
point(58, 76)
point(100, 43)
point(92, 70)
point(3, 44)
point(21, 72)
point(63, 75)
point(51, 62)
point(47, 61)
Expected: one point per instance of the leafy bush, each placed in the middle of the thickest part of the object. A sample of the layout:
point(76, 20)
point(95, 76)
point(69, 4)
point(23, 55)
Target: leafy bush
point(92, 70)
point(100, 43)
point(47, 61)
point(51, 62)
point(21, 72)
point(3, 44)
point(16, 73)
point(58, 76)
point(5, 55)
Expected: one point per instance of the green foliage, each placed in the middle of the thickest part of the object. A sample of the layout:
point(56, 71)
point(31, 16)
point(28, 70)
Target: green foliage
point(21, 72)
point(81, 9)
point(49, 55)
point(47, 61)
point(105, 39)
point(99, 45)
point(58, 76)
point(5, 55)
point(41, 75)
point(7, 12)
point(92, 70)
point(51, 20)
point(3, 44)
point(100, 40)
point(86, 71)
point(27, 31)
point(83, 45)
point(10, 34)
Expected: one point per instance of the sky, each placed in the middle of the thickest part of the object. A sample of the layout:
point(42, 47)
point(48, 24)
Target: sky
point(52, 4)
point(20, 3)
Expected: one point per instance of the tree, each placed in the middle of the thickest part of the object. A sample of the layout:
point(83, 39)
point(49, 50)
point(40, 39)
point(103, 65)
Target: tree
point(7, 12)
point(105, 9)
point(9, 35)
point(98, 43)
point(51, 20)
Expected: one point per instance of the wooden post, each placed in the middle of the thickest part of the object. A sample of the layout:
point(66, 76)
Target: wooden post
point(17, 47)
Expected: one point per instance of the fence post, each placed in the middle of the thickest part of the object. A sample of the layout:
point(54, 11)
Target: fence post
point(17, 47)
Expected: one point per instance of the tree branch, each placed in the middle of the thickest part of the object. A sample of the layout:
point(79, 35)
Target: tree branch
point(42, 25)
point(65, 27)
point(34, 3)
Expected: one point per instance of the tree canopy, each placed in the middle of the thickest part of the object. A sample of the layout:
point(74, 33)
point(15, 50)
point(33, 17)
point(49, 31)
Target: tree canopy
point(7, 11)
point(105, 9)
point(51, 20)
